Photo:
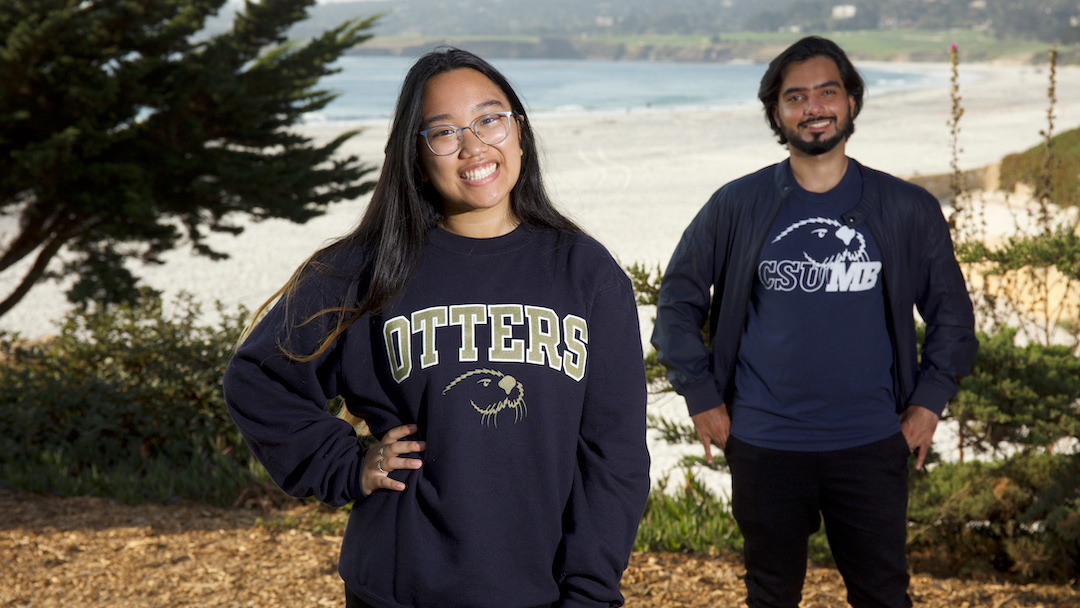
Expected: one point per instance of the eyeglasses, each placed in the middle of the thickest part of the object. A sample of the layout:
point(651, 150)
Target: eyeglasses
point(491, 129)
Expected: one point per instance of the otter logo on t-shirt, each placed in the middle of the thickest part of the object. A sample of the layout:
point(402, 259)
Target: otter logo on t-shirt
point(834, 256)
point(490, 392)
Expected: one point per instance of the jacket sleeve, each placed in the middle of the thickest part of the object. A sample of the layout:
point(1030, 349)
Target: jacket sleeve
point(682, 308)
point(611, 483)
point(943, 302)
point(280, 404)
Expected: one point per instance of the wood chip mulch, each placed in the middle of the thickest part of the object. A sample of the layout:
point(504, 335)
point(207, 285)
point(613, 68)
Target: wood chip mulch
point(97, 552)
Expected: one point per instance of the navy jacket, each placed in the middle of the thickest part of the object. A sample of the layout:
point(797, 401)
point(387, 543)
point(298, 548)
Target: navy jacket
point(718, 253)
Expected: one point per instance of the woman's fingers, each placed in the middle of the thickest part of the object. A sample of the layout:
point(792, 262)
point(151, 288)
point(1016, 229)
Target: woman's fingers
point(384, 457)
point(398, 432)
point(390, 460)
point(393, 446)
point(373, 474)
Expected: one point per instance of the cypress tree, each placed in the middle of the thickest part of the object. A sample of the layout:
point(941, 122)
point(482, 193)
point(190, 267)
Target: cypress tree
point(125, 133)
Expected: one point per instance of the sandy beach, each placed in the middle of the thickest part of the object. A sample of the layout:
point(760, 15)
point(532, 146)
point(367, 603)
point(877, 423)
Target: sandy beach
point(634, 180)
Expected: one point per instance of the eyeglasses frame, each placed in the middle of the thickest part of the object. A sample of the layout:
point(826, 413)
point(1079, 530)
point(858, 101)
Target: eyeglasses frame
point(461, 132)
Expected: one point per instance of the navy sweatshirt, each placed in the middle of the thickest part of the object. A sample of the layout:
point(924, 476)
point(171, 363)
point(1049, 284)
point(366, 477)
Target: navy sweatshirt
point(519, 358)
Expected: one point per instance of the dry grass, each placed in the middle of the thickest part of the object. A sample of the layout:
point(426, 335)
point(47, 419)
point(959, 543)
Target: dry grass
point(95, 552)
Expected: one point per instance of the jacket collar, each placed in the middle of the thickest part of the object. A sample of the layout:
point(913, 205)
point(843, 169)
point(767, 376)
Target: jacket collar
point(868, 201)
point(782, 178)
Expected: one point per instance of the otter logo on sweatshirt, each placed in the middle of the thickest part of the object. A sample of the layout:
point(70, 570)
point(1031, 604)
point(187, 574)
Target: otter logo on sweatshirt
point(516, 333)
point(490, 392)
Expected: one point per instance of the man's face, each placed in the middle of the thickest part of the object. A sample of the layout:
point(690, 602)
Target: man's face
point(814, 110)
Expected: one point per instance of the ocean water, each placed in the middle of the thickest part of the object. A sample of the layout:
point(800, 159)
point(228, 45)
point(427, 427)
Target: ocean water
point(368, 86)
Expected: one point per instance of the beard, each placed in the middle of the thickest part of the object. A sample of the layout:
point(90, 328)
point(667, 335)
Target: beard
point(819, 145)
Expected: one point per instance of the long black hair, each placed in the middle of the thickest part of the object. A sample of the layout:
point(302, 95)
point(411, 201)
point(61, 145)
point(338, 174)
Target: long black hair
point(404, 208)
point(808, 48)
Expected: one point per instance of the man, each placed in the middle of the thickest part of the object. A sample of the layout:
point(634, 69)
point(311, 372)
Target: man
point(811, 382)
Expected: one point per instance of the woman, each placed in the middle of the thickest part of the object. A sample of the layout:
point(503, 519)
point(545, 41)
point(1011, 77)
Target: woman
point(490, 345)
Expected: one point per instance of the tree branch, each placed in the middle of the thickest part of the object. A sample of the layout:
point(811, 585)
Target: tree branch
point(33, 228)
point(37, 271)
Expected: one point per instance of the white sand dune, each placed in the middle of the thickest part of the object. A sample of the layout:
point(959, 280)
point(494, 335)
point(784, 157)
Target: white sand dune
point(634, 181)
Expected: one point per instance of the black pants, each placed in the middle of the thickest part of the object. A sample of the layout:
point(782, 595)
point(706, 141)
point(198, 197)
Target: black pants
point(779, 499)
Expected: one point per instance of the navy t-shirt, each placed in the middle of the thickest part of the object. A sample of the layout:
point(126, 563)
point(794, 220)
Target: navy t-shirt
point(814, 367)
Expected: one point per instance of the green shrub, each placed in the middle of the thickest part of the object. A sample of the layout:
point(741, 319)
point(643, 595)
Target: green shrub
point(125, 402)
point(1029, 168)
point(692, 519)
point(1018, 396)
point(1019, 518)
point(1017, 514)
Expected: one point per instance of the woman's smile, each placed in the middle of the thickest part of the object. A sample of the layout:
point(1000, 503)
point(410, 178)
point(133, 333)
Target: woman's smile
point(480, 174)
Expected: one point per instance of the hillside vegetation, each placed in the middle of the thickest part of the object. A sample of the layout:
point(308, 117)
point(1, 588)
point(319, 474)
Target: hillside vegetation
point(1063, 172)
point(758, 47)
point(987, 30)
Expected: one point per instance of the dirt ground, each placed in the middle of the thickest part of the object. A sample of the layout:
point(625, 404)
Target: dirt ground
point(94, 552)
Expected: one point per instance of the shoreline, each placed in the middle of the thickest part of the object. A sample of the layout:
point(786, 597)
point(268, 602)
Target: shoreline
point(882, 77)
point(633, 180)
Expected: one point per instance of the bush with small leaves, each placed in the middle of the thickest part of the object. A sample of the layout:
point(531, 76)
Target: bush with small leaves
point(125, 401)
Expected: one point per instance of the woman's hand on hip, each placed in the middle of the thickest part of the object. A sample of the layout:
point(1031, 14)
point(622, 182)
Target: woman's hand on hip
point(385, 456)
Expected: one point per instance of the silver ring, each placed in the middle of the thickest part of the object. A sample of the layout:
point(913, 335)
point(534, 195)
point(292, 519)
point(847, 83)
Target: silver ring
point(380, 450)
point(380, 466)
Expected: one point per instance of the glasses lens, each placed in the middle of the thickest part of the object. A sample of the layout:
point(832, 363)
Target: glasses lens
point(492, 128)
point(444, 139)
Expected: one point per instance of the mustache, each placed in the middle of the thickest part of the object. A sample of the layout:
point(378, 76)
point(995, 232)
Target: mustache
point(817, 119)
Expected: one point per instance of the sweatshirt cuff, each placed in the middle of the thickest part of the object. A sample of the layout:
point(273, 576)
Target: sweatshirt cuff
point(701, 396)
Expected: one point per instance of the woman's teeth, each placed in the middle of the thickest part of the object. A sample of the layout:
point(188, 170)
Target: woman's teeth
point(479, 173)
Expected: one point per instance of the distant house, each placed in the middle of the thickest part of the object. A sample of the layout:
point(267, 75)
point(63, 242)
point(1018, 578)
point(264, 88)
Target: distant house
point(841, 12)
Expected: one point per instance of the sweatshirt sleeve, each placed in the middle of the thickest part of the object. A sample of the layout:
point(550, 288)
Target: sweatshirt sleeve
point(280, 404)
point(682, 307)
point(611, 482)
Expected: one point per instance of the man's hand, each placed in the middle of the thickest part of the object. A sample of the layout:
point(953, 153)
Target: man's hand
point(918, 425)
point(712, 426)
